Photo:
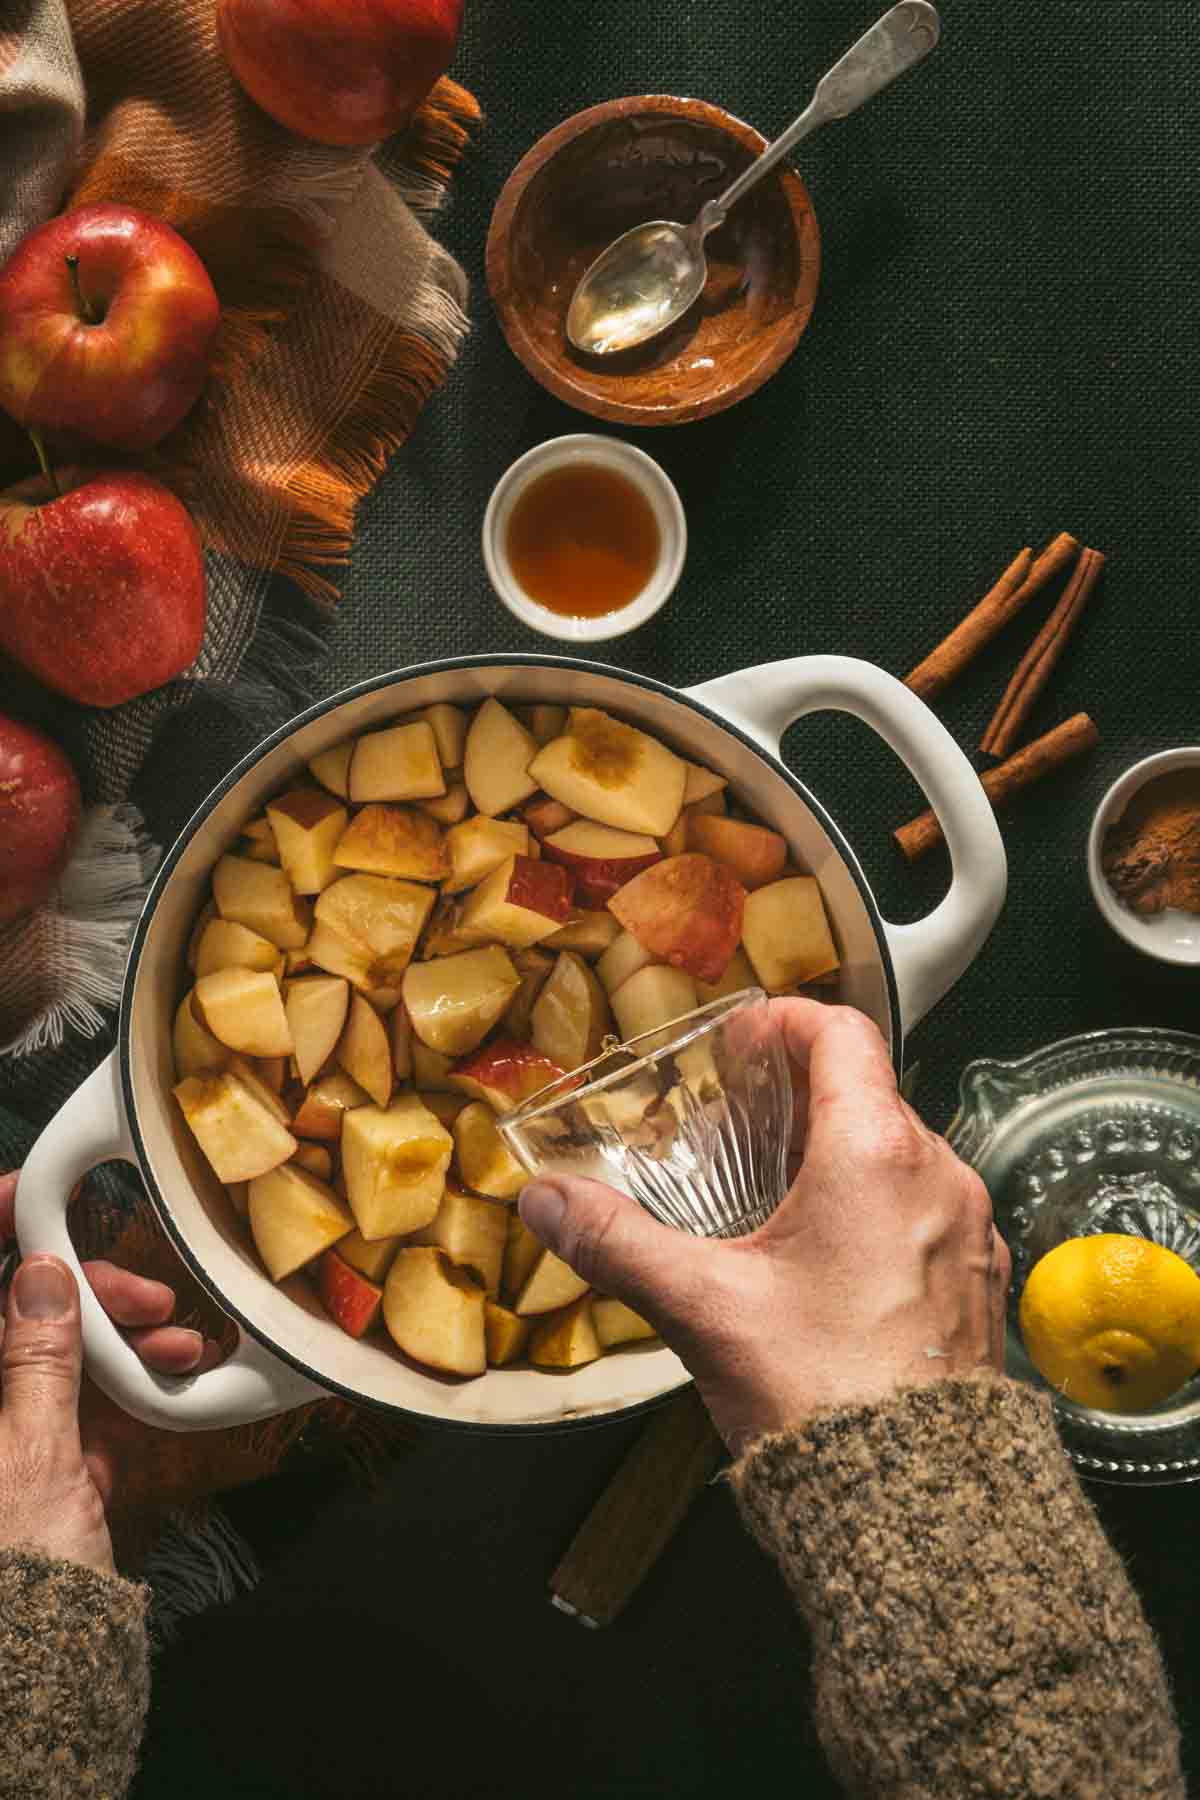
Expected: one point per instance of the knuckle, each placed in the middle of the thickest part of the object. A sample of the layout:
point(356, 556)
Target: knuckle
point(892, 1141)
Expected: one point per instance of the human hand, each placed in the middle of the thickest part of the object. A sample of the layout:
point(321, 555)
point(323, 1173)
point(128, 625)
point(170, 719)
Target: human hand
point(56, 1480)
point(881, 1269)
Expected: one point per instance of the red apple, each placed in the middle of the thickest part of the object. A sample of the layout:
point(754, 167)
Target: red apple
point(601, 858)
point(687, 911)
point(104, 586)
point(504, 1073)
point(349, 1298)
point(339, 71)
point(39, 816)
point(107, 318)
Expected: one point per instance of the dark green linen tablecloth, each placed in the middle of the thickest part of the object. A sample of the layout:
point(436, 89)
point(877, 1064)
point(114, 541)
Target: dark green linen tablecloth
point(1004, 345)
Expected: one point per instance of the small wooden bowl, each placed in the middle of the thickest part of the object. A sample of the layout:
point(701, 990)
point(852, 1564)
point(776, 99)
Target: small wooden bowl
point(617, 165)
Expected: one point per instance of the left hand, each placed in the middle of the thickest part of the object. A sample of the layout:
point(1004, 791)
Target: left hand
point(58, 1444)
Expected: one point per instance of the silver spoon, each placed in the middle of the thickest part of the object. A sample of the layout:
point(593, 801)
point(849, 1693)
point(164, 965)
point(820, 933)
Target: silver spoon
point(648, 277)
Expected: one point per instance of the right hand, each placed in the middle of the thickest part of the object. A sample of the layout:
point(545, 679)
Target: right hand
point(881, 1269)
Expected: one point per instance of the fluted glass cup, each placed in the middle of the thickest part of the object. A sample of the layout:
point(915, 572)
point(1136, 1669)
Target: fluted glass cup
point(693, 1119)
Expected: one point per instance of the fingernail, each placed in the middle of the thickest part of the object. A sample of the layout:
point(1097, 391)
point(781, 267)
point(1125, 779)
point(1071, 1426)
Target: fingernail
point(542, 1207)
point(42, 1290)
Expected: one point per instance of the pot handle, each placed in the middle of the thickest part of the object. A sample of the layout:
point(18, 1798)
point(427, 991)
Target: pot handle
point(251, 1384)
point(928, 957)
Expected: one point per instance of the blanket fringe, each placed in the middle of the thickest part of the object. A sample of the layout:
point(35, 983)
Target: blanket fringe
point(86, 932)
point(199, 1560)
point(422, 163)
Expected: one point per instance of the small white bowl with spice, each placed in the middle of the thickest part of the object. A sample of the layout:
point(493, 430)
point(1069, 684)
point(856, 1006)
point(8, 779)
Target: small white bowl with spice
point(1143, 856)
point(584, 538)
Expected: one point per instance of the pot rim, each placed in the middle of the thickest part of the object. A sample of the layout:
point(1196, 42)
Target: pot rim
point(443, 665)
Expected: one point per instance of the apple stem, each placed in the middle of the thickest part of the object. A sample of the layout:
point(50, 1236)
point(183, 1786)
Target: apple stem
point(47, 471)
point(89, 314)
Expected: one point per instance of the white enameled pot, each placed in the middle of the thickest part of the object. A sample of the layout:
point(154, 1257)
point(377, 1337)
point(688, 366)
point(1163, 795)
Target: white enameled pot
point(289, 1352)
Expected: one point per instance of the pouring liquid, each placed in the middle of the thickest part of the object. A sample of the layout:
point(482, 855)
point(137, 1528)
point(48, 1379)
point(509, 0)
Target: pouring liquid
point(583, 541)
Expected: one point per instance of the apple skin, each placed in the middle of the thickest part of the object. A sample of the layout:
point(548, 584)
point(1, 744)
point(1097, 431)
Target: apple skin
point(104, 586)
point(131, 377)
point(339, 71)
point(39, 816)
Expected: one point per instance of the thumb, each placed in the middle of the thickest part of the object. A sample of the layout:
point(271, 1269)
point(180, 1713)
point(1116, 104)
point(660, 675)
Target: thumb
point(42, 1357)
point(615, 1245)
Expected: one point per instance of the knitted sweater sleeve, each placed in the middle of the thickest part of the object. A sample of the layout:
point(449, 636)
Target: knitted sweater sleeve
point(974, 1632)
point(74, 1679)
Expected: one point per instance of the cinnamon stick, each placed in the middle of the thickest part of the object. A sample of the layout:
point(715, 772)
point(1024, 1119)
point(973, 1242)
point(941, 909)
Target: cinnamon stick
point(1008, 779)
point(1034, 669)
point(1024, 577)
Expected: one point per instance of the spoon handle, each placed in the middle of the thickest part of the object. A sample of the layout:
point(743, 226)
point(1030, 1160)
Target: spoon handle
point(897, 42)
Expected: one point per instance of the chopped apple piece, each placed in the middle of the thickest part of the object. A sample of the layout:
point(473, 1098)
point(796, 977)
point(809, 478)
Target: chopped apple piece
point(450, 808)
point(434, 1311)
point(612, 773)
point(197, 1051)
point(225, 945)
point(551, 1283)
point(454, 1002)
point(520, 903)
point(543, 722)
point(567, 1339)
point(325, 1105)
point(600, 858)
point(240, 1137)
point(687, 910)
point(485, 1161)
point(443, 1104)
point(402, 1044)
point(244, 1009)
point(348, 1297)
point(372, 1257)
point(251, 1079)
point(401, 763)
point(260, 897)
point(506, 1335)
point(272, 1071)
point(316, 1159)
point(449, 725)
point(239, 1197)
point(521, 1252)
point(478, 846)
point(701, 783)
point(738, 975)
point(624, 957)
point(472, 1232)
point(617, 1323)
point(544, 815)
point(367, 928)
point(755, 854)
point(533, 967)
point(332, 768)
point(316, 1012)
point(308, 825)
point(786, 933)
point(655, 996)
point(570, 1016)
point(365, 1052)
point(590, 931)
point(293, 1218)
point(676, 840)
point(505, 1074)
point(496, 760)
point(393, 840)
point(395, 1166)
point(431, 1068)
point(443, 934)
point(297, 962)
point(207, 913)
point(258, 842)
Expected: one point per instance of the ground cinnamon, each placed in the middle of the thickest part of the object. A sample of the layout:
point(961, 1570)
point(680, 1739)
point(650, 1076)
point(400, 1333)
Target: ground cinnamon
point(1025, 576)
point(1008, 779)
point(1151, 856)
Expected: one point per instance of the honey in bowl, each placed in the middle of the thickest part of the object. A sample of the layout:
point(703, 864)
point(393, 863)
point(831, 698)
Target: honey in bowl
point(583, 540)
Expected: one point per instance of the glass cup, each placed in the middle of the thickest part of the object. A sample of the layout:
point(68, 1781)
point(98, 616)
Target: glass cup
point(693, 1119)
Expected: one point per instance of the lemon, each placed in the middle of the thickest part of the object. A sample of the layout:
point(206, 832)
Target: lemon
point(1113, 1321)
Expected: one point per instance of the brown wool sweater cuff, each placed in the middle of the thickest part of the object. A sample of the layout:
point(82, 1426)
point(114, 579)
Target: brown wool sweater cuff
point(974, 1633)
point(74, 1679)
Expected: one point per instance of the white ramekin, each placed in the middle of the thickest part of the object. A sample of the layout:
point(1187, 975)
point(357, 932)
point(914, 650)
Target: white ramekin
point(1172, 937)
point(644, 472)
